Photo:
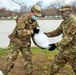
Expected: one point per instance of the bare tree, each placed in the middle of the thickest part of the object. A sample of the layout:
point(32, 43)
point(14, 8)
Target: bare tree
point(19, 2)
point(52, 9)
point(51, 12)
point(43, 12)
point(40, 3)
point(2, 10)
point(73, 4)
point(57, 4)
point(22, 5)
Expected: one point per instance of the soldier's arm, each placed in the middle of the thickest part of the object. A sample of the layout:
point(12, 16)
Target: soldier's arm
point(35, 25)
point(69, 37)
point(56, 32)
point(31, 30)
point(21, 25)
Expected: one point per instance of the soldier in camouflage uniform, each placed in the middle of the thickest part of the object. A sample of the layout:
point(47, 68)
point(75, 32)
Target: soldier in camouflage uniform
point(20, 40)
point(66, 46)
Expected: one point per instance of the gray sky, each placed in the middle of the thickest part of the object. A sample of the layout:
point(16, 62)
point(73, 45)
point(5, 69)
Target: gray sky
point(11, 5)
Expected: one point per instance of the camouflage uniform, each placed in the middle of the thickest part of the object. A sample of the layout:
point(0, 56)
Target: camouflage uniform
point(66, 47)
point(20, 41)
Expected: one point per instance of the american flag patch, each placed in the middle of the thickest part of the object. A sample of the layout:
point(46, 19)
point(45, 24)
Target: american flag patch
point(20, 20)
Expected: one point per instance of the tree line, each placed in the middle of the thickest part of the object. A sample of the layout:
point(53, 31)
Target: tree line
point(50, 10)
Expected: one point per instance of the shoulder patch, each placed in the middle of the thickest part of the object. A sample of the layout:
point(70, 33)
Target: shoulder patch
point(20, 20)
point(72, 29)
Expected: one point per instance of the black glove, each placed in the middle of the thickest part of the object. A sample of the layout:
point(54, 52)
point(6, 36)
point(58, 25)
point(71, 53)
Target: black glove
point(52, 47)
point(36, 30)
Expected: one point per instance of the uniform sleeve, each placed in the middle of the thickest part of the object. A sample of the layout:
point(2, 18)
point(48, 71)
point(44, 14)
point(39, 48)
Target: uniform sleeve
point(21, 25)
point(56, 32)
point(69, 37)
point(35, 24)
point(20, 22)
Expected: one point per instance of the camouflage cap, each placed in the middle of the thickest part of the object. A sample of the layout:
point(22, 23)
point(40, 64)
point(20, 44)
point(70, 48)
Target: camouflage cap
point(65, 7)
point(36, 10)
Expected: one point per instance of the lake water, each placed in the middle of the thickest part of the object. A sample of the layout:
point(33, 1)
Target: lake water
point(7, 26)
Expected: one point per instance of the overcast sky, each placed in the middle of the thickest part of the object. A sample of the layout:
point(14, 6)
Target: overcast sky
point(11, 5)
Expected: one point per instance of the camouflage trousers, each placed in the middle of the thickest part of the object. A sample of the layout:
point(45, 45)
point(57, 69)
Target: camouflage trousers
point(61, 59)
point(13, 51)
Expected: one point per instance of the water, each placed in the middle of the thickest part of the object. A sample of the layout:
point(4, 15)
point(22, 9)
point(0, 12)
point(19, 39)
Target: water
point(7, 26)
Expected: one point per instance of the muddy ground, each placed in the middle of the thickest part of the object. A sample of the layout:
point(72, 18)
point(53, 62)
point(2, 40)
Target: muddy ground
point(41, 63)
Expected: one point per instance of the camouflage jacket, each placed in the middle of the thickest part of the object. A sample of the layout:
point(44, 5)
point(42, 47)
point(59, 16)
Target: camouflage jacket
point(68, 31)
point(23, 22)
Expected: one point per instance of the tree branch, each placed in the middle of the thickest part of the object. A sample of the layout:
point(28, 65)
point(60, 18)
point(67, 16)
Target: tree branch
point(17, 2)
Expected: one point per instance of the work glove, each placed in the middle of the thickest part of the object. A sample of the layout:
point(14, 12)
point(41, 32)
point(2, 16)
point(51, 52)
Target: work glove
point(36, 30)
point(52, 47)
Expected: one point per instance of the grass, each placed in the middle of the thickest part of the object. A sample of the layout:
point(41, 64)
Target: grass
point(34, 50)
point(3, 52)
point(45, 52)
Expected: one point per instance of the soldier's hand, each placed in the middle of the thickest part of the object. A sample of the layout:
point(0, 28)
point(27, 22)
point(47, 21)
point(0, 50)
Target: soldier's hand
point(24, 31)
point(28, 31)
point(52, 47)
point(31, 32)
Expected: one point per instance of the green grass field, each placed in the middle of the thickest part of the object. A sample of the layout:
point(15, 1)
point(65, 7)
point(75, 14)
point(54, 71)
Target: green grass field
point(34, 50)
point(46, 52)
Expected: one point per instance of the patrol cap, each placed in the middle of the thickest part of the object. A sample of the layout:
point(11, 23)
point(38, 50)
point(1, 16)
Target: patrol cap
point(36, 10)
point(65, 7)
